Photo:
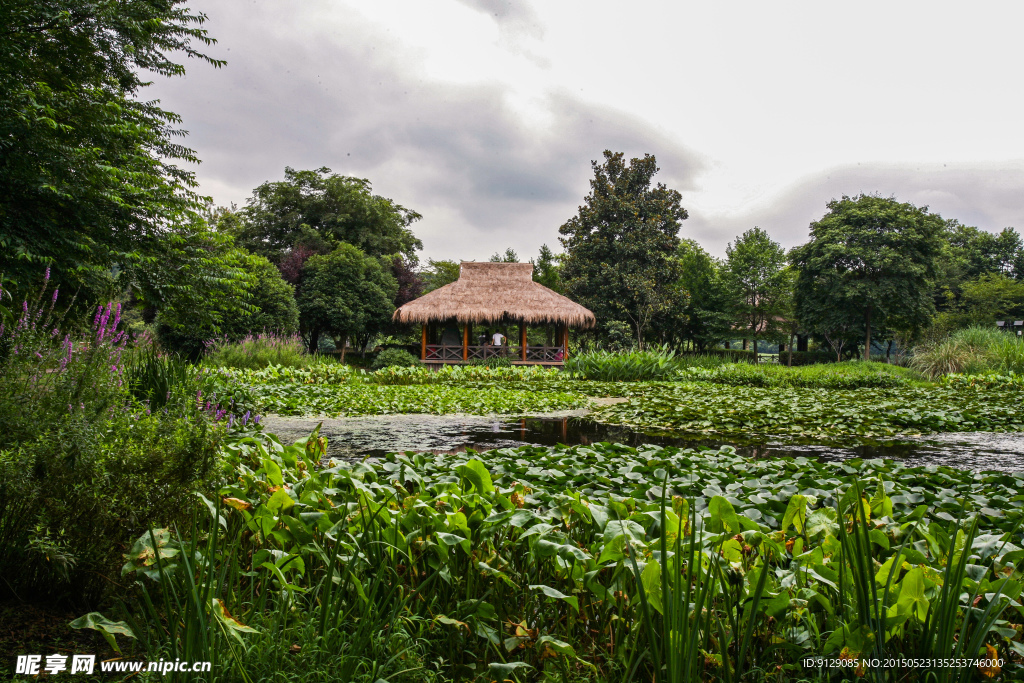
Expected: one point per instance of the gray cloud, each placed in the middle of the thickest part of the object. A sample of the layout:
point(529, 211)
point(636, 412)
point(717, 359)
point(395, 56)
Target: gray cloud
point(984, 195)
point(460, 154)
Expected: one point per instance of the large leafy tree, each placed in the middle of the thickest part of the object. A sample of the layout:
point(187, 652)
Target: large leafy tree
point(87, 166)
point(345, 294)
point(757, 285)
point(255, 299)
point(619, 247)
point(700, 315)
point(316, 210)
point(870, 263)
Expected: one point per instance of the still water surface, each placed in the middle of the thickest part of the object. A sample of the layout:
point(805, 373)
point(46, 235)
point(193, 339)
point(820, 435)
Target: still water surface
point(355, 438)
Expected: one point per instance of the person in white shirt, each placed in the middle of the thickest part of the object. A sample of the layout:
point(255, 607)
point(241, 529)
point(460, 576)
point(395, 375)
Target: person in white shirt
point(497, 338)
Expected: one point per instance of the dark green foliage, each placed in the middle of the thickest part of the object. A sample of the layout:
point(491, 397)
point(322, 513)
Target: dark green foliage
point(547, 269)
point(89, 170)
point(256, 301)
point(625, 366)
point(869, 265)
point(77, 493)
point(345, 294)
point(318, 210)
point(619, 248)
point(754, 277)
point(153, 379)
point(439, 274)
point(699, 314)
point(510, 256)
point(398, 358)
point(492, 362)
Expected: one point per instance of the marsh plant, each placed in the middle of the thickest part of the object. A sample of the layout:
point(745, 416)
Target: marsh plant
point(258, 351)
point(84, 463)
point(973, 350)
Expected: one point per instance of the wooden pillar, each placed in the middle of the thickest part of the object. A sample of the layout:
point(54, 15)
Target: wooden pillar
point(565, 343)
point(465, 342)
point(522, 340)
point(423, 343)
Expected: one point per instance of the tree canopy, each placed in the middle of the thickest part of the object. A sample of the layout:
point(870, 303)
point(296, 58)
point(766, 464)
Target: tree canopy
point(88, 167)
point(619, 246)
point(317, 210)
point(345, 294)
point(756, 284)
point(870, 263)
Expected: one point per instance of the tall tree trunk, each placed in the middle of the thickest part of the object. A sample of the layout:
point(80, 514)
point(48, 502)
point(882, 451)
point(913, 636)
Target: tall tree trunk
point(314, 340)
point(344, 343)
point(888, 352)
point(867, 333)
point(790, 362)
point(755, 349)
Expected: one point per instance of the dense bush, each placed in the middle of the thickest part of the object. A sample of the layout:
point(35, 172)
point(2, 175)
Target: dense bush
point(741, 356)
point(268, 308)
point(625, 366)
point(258, 351)
point(84, 465)
point(394, 358)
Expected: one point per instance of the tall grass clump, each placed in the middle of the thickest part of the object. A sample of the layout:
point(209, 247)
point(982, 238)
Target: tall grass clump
point(973, 350)
point(660, 363)
point(847, 375)
point(258, 351)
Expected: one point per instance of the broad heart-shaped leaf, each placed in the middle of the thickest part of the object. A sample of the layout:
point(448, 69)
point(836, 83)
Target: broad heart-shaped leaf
point(650, 577)
point(106, 627)
point(477, 475)
point(500, 671)
point(796, 514)
point(280, 501)
point(618, 527)
point(723, 516)
point(912, 597)
point(273, 472)
point(558, 595)
point(233, 626)
point(545, 643)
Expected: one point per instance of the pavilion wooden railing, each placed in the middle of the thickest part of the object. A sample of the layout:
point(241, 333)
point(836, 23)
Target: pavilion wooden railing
point(534, 354)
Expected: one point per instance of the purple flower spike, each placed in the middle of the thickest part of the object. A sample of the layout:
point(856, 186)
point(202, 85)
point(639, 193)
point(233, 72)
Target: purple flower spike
point(46, 278)
point(245, 418)
point(55, 292)
point(257, 420)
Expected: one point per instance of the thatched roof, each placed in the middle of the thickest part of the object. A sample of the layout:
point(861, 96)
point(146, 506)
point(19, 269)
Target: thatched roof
point(495, 292)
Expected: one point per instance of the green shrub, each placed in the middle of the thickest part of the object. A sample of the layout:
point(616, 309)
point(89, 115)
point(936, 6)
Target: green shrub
point(72, 498)
point(492, 362)
point(391, 358)
point(258, 352)
point(626, 366)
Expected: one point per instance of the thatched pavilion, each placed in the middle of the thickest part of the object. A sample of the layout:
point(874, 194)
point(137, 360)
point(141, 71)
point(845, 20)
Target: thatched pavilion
point(460, 319)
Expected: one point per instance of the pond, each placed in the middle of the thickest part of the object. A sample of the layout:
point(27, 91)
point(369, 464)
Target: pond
point(358, 437)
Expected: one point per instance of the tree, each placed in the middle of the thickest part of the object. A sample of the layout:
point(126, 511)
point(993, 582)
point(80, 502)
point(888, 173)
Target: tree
point(317, 210)
point(870, 262)
point(756, 284)
point(619, 246)
point(510, 256)
point(255, 299)
point(546, 269)
point(700, 315)
point(439, 274)
point(345, 294)
point(88, 169)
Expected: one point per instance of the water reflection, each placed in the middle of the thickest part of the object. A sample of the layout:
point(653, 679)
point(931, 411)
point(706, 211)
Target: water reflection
point(376, 435)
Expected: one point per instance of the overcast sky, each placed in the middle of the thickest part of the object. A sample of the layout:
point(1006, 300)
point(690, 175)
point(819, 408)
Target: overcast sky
point(484, 115)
